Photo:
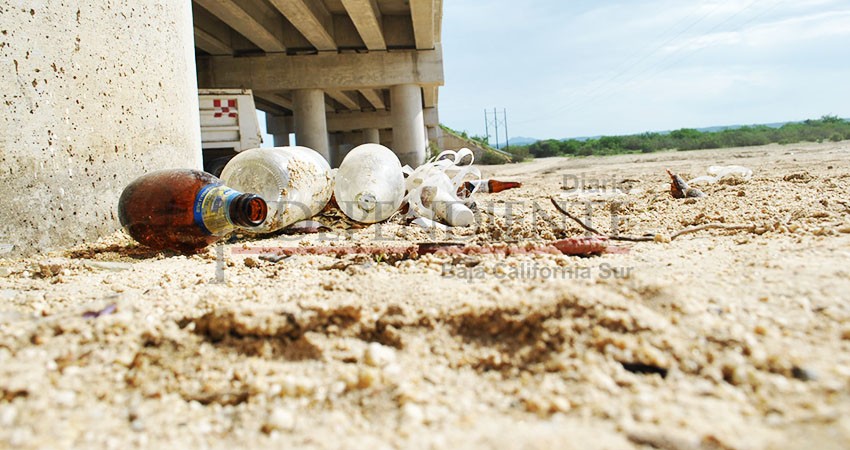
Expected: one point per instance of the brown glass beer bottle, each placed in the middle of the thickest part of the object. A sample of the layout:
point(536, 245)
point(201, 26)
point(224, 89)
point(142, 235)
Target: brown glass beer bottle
point(185, 210)
point(487, 186)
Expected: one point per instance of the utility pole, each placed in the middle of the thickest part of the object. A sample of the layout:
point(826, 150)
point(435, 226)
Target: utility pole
point(494, 123)
point(507, 138)
point(486, 126)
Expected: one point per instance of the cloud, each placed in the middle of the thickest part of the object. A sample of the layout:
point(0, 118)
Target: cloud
point(586, 67)
point(794, 30)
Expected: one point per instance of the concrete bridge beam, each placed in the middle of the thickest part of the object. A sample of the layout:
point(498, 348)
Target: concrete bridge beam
point(374, 97)
point(253, 19)
point(311, 19)
point(343, 99)
point(353, 121)
point(211, 34)
point(424, 26)
point(337, 71)
point(367, 19)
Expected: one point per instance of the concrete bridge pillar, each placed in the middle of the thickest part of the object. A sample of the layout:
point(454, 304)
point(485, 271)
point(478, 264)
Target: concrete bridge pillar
point(76, 63)
point(387, 138)
point(333, 149)
point(281, 140)
point(371, 136)
point(342, 150)
point(432, 134)
point(278, 128)
point(408, 124)
point(311, 128)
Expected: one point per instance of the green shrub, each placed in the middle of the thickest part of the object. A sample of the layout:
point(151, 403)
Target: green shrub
point(814, 130)
point(519, 153)
point(542, 149)
point(491, 158)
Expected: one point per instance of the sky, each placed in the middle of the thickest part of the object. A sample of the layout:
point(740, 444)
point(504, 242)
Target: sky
point(562, 68)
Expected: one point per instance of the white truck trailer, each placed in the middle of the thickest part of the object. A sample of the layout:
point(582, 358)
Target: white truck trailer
point(228, 125)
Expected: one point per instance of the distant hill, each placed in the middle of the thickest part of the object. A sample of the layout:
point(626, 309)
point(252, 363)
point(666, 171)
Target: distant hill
point(521, 140)
point(714, 129)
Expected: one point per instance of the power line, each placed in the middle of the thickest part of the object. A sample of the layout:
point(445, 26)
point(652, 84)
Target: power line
point(676, 52)
point(709, 31)
point(635, 61)
point(659, 70)
point(598, 95)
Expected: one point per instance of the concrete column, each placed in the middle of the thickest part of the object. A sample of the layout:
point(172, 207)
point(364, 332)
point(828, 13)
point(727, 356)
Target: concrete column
point(279, 127)
point(387, 138)
point(342, 144)
point(333, 152)
point(371, 136)
point(342, 151)
point(408, 124)
point(281, 140)
point(311, 127)
point(97, 96)
point(434, 136)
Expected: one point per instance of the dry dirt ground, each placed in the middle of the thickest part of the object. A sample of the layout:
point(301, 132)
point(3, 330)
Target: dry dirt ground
point(735, 339)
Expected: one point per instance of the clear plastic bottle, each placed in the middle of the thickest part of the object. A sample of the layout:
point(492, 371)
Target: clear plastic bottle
point(369, 184)
point(296, 182)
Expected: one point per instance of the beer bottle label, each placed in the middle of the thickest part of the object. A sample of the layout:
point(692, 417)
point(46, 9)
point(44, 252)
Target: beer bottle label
point(479, 185)
point(212, 208)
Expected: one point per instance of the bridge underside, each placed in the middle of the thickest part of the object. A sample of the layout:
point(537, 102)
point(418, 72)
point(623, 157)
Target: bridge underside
point(336, 73)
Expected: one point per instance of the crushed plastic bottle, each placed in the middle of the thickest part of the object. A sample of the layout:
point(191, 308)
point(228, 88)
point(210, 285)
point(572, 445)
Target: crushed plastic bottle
point(296, 182)
point(185, 210)
point(432, 188)
point(717, 173)
point(428, 224)
point(598, 195)
point(369, 184)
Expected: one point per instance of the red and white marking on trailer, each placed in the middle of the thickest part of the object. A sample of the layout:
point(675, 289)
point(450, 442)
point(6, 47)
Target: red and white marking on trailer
point(221, 110)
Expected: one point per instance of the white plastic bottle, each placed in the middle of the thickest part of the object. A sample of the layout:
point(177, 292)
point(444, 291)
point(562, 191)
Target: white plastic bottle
point(369, 184)
point(440, 198)
point(296, 182)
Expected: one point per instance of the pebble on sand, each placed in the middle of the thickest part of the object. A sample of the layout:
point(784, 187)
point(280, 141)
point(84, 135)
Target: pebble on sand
point(280, 419)
point(377, 355)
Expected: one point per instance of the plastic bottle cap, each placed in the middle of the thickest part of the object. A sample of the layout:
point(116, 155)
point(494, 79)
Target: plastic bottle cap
point(366, 201)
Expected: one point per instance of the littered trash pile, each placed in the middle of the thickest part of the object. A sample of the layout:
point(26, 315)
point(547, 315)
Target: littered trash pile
point(284, 189)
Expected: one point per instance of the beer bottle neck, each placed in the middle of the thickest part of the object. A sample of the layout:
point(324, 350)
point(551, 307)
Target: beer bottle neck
point(248, 210)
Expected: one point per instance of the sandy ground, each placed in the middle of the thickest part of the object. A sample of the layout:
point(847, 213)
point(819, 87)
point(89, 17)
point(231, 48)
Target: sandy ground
point(718, 339)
